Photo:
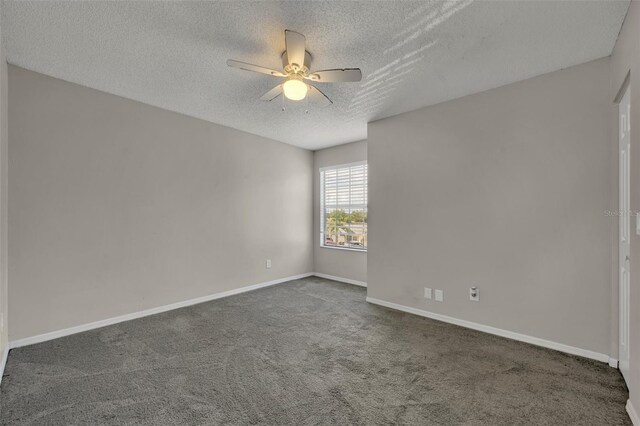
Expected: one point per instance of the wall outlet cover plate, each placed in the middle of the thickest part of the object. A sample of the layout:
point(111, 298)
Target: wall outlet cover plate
point(428, 293)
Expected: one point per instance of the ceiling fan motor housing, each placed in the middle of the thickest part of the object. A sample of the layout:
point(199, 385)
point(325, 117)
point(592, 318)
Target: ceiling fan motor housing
point(302, 69)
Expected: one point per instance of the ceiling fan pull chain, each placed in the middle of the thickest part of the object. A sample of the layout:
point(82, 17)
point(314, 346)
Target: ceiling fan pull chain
point(283, 106)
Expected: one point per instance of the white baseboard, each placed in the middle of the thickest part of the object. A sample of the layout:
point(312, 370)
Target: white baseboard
point(342, 280)
point(635, 419)
point(613, 362)
point(115, 320)
point(497, 331)
point(3, 361)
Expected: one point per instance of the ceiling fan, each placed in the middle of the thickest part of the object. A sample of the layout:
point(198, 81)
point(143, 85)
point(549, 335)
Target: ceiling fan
point(296, 62)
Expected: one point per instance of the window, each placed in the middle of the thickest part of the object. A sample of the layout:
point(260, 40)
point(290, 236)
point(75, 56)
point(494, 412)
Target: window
point(343, 199)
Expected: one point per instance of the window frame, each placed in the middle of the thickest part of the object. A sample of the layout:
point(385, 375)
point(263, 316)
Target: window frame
point(322, 204)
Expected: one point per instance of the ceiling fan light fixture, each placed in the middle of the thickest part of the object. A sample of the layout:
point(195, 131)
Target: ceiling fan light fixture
point(295, 89)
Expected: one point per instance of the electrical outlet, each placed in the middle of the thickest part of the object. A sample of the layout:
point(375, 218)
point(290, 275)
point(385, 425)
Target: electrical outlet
point(268, 264)
point(474, 294)
point(439, 295)
point(428, 293)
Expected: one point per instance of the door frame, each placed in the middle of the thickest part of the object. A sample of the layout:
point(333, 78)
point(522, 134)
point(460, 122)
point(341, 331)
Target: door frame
point(623, 240)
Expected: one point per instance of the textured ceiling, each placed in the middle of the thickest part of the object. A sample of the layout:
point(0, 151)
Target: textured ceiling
point(412, 54)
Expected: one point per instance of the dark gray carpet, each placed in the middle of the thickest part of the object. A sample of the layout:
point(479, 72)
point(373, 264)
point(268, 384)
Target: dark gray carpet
point(309, 352)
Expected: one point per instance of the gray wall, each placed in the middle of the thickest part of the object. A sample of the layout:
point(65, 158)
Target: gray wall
point(505, 190)
point(117, 206)
point(626, 59)
point(4, 313)
point(335, 262)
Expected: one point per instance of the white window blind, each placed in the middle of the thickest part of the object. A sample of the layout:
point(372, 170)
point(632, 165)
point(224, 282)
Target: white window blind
point(343, 199)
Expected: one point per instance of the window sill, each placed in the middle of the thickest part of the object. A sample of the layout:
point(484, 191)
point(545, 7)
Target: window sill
point(344, 249)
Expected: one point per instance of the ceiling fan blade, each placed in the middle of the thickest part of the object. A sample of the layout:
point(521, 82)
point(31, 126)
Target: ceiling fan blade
point(317, 97)
point(343, 75)
point(295, 45)
point(272, 94)
point(255, 68)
